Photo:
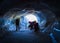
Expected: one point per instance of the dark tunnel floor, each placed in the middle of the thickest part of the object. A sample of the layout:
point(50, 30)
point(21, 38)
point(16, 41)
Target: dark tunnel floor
point(26, 37)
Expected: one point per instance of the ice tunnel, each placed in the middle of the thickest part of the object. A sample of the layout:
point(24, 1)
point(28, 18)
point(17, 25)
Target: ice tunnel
point(25, 16)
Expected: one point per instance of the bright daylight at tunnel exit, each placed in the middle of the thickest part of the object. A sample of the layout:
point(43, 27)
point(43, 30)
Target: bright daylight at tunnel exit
point(31, 17)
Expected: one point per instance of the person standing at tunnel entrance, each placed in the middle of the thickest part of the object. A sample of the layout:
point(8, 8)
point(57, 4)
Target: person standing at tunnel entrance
point(30, 25)
point(34, 25)
point(17, 24)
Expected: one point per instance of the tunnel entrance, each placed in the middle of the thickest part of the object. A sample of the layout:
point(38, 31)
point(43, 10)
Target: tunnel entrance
point(24, 18)
point(24, 21)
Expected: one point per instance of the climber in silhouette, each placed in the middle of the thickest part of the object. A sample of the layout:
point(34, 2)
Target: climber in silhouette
point(30, 25)
point(36, 26)
point(17, 24)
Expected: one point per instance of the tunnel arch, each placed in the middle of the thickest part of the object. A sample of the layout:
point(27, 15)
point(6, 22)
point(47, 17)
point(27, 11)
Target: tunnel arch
point(43, 15)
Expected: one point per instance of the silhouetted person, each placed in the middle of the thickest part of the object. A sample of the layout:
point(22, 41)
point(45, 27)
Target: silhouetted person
point(36, 26)
point(30, 25)
point(17, 24)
